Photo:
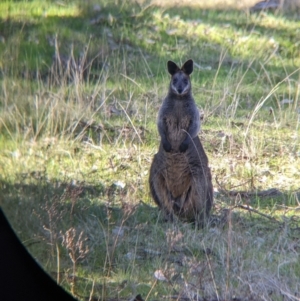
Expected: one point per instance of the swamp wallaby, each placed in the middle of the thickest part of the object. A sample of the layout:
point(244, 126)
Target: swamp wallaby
point(180, 179)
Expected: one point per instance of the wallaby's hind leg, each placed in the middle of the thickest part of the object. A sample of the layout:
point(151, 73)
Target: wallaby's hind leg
point(206, 204)
point(200, 201)
point(160, 199)
point(159, 190)
point(160, 196)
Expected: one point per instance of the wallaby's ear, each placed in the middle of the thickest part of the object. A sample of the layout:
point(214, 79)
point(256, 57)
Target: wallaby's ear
point(187, 67)
point(172, 67)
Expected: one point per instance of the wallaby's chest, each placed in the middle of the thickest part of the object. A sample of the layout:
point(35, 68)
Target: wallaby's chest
point(178, 118)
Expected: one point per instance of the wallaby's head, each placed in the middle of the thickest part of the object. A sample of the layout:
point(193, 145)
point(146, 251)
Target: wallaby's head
point(180, 81)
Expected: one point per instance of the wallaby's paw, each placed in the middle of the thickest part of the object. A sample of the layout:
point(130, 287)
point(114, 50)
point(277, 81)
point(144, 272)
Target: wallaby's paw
point(167, 146)
point(183, 146)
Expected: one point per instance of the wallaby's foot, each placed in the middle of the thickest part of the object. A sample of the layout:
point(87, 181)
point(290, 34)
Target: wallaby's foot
point(201, 221)
point(168, 217)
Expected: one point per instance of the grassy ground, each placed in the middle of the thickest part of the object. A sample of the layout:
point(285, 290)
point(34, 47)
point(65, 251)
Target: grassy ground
point(81, 84)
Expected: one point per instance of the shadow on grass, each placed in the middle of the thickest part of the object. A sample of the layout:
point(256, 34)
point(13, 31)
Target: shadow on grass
point(42, 204)
point(120, 235)
point(50, 200)
point(45, 213)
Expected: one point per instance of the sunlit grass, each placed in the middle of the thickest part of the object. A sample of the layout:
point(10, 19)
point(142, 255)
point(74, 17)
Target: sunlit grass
point(31, 11)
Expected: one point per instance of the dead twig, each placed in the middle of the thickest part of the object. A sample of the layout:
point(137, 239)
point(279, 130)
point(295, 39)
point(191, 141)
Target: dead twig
point(247, 194)
point(250, 209)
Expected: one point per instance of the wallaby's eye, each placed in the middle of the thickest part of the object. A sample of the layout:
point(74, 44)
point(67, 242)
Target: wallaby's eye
point(185, 81)
point(175, 81)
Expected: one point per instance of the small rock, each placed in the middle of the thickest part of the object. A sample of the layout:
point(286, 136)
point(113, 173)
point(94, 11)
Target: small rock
point(120, 184)
point(159, 275)
point(286, 101)
point(97, 7)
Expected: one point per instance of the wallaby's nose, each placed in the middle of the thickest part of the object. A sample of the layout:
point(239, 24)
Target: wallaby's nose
point(179, 90)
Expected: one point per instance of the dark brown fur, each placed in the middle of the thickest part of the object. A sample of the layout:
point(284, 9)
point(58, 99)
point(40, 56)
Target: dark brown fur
point(180, 179)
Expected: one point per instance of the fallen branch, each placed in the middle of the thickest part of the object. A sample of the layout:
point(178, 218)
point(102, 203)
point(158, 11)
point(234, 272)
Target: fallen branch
point(247, 194)
point(250, 209)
